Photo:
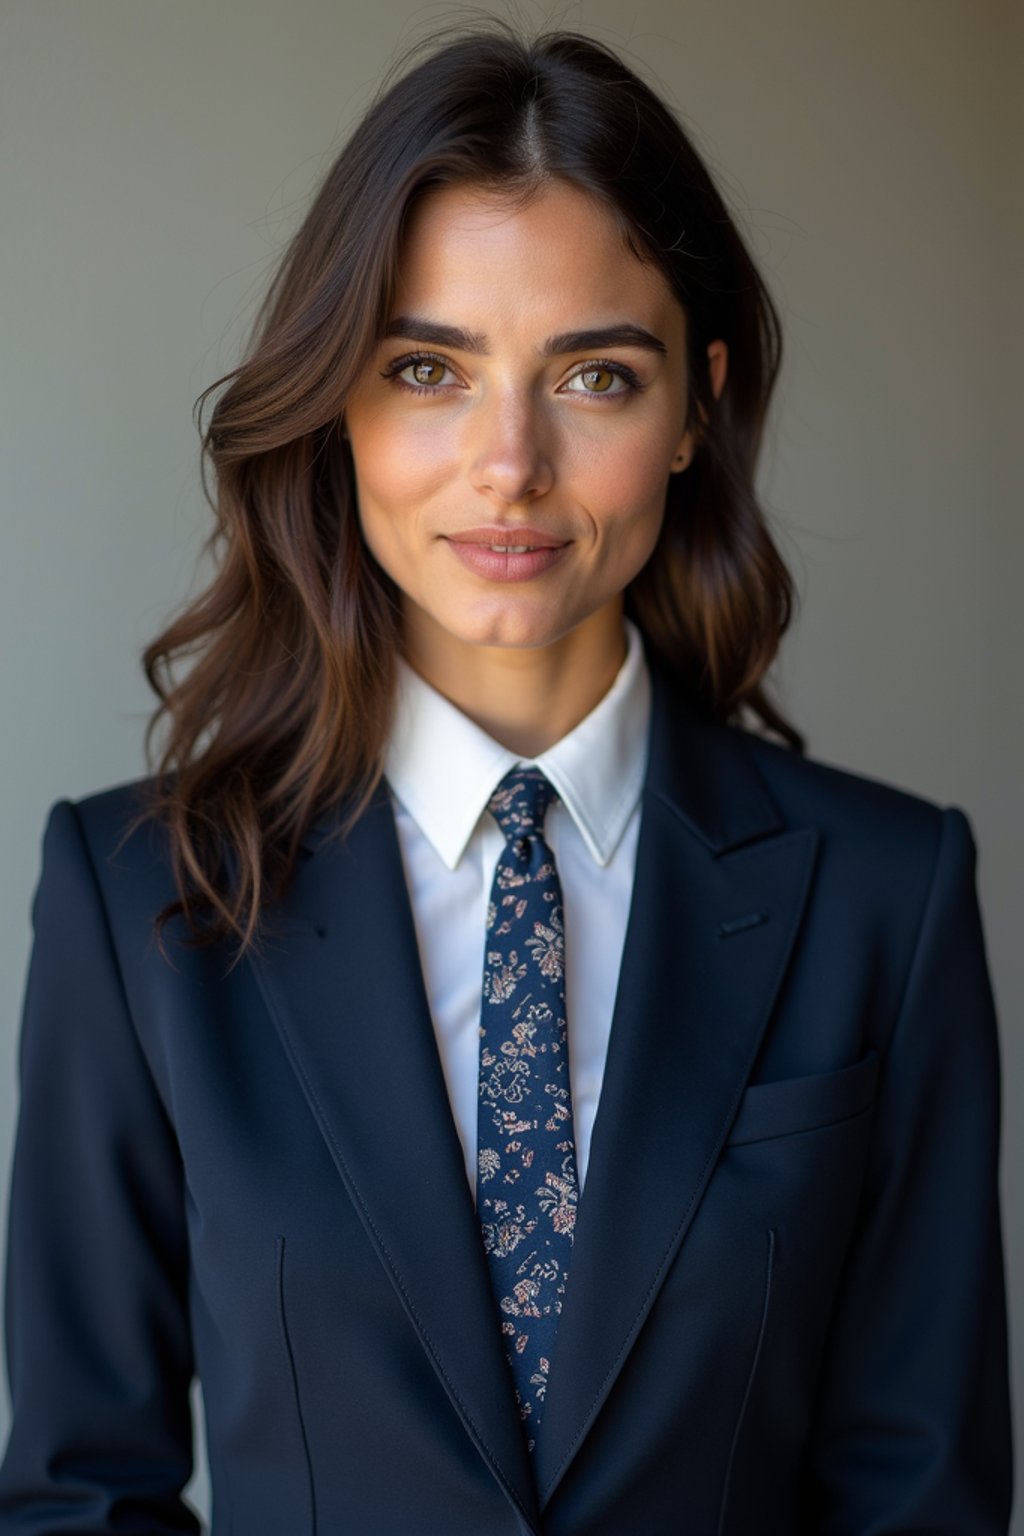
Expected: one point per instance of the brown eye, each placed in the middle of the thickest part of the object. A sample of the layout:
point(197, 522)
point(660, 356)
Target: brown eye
point(610, 379)
point(423, 372)
point(597, 380)
point(427, 372)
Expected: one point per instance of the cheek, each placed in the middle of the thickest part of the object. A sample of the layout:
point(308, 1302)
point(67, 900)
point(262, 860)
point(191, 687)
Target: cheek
point(624, 488)
point(396, 471)
point(627, 451)
point(630, 536)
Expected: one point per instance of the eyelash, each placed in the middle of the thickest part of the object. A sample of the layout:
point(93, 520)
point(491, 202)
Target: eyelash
point(399, 364)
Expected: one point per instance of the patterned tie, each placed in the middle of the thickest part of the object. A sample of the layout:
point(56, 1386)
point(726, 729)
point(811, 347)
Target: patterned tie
point(526, 1154)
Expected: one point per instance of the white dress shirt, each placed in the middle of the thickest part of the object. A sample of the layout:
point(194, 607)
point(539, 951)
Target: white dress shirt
point(442, 769)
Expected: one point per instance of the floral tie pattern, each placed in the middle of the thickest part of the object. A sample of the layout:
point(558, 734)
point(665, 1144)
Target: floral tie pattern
point(526, 1156)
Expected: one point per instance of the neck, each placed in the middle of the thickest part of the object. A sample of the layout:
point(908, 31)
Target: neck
point(526, 697)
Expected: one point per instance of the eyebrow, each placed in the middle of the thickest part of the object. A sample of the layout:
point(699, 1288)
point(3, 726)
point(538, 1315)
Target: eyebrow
point(435, 333)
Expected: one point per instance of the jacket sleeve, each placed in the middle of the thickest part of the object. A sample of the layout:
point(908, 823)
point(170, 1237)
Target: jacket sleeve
point(99, 1356)
point(912, 1429)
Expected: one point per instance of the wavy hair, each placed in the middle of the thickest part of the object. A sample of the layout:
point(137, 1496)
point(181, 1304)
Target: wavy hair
point(287, 706)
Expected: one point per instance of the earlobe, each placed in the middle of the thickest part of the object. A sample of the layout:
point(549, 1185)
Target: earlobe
point(718, 367)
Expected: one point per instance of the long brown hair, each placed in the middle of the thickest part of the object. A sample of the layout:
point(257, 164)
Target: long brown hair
point(286, 709)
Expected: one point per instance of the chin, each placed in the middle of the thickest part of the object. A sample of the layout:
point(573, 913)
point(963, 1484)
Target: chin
point(500, 623)
point(522, 635)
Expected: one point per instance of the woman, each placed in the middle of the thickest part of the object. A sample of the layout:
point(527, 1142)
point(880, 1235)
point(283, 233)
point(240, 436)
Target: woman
point(531, 1099)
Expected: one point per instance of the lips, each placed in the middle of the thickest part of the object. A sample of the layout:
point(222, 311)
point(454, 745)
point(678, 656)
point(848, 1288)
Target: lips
point(502, 561)
point(508, 537)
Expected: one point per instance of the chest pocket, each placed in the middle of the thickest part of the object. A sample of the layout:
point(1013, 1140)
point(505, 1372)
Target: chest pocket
point(805, 1103)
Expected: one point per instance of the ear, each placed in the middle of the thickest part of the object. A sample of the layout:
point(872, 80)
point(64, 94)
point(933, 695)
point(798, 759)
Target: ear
point(718, 367)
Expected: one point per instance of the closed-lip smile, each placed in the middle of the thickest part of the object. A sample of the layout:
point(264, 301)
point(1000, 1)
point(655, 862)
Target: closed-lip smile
point(505, 538)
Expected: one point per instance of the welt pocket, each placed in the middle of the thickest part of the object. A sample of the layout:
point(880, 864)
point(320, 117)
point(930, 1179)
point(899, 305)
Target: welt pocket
point(805, 1103)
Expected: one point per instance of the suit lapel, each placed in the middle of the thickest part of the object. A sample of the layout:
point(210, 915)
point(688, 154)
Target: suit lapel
point(718, 893)
point(341, 977)
point(342, 980)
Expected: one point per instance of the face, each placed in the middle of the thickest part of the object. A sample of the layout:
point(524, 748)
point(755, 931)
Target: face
point(531, 392)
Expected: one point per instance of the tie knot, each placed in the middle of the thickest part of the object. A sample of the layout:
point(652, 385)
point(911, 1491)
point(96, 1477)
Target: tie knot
point(520, 802)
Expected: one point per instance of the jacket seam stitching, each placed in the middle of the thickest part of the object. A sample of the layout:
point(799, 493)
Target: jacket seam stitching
point(293, 1373)
point(769, 1271)
point(393, 1270)
point(711, 1159)
point(926, 906)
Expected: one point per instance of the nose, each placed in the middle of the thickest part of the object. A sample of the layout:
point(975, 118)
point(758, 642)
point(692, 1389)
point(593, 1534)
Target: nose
point(510, 458)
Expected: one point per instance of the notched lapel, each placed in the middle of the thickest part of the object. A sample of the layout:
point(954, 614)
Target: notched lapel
point(699, 977)
point(342, 980)
point(697, 984)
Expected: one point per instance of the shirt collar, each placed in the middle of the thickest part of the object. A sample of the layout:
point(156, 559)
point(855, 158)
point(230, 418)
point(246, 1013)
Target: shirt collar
point(444, 768)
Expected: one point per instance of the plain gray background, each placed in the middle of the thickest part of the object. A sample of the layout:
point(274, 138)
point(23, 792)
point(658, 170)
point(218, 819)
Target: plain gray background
point(156, 154)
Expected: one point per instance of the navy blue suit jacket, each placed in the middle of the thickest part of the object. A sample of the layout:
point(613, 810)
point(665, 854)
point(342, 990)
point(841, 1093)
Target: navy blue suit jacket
point(786, 1307)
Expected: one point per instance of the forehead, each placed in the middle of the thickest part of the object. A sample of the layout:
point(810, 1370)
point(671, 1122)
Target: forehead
point(468, 254)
